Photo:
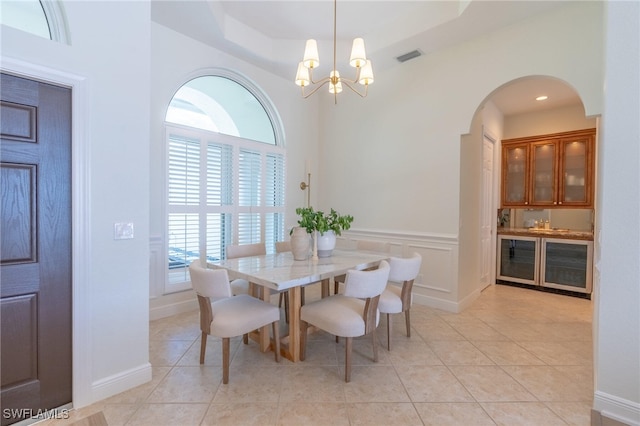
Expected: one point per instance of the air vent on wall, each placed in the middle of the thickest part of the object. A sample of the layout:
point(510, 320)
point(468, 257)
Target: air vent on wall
point(409, 55)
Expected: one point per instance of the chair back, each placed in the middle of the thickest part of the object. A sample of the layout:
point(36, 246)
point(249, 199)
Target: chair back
point(378, 246)
point(212, 283)
point(283, 246)
point(404, 269)
point(245, 250)
point(366, 284)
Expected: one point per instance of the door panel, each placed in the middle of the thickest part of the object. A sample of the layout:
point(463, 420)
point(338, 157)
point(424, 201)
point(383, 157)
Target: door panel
point(35, 253)
point(18, 213)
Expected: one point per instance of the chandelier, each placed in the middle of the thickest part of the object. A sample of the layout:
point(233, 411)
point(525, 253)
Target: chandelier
point(358, 60)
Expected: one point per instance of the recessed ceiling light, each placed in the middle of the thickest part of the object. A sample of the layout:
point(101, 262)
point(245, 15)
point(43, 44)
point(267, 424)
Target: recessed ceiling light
point(542, 98)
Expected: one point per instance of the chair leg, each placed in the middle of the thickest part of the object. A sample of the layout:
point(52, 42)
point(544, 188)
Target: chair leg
point(347, 359)
point(203, 347)
point(303, 339)
point(245, 338)
point(388, 332)
point(225, 360)
point(408, 321)
point(276, 339)
point(374, 336)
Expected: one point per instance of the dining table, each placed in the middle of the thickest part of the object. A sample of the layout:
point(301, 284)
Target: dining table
point(279, 271)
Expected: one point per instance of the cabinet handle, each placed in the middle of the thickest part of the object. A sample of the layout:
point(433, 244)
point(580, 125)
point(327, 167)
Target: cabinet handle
point(560, 202)
point(555, 203)
point(526, 202)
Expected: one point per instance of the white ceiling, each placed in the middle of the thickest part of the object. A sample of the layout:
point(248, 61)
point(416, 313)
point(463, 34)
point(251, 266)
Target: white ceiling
point(271, 34)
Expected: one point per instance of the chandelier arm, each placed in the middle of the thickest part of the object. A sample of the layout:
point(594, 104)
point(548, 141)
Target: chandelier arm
point(346, 80)
point(315, 89)
point(321, 81)
point(354, 90)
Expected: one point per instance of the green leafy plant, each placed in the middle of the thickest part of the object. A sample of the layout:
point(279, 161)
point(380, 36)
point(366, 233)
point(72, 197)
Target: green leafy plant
point(307, 219)
point(335, 222)
point(313, 220)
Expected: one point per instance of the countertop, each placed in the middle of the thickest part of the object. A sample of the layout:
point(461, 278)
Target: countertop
point(547, 233)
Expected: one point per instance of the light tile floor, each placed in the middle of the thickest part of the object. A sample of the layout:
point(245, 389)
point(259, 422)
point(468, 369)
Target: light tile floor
point(515, 357)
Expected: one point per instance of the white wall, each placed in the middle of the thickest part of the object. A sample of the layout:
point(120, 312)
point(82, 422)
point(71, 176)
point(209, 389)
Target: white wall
point(399, 150)
point(469, 267)
point(617, 280)
point(549, 121)
point(111, 126)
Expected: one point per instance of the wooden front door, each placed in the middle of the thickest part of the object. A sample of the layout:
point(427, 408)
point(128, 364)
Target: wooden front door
point(35, 238)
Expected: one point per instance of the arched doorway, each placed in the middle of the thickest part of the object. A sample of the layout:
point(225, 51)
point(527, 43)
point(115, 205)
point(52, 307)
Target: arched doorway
point(509, 111)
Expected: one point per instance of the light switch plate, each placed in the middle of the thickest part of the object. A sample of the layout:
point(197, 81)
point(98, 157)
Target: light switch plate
point(123, 231)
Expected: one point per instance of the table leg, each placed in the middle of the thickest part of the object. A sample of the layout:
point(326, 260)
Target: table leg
point(324, 292)
point(292, 349)
point(261, 335)
point(264, 339)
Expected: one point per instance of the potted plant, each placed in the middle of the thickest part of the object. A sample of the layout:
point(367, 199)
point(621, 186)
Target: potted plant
point(327, 225)
point(300, 235)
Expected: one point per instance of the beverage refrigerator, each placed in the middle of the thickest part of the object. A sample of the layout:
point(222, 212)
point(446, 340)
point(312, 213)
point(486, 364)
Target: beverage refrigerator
point(558, 263)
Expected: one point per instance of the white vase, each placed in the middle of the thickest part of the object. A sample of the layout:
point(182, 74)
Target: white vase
point(326, 243)
point(300, 243)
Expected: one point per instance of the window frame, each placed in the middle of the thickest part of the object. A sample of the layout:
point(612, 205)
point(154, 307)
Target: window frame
point(180, 281)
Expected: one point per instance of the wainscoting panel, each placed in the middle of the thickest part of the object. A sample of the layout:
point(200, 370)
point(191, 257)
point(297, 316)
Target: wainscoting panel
point(437, 282)
point(163, 305)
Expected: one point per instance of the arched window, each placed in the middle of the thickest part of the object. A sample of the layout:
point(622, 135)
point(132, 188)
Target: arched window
point(225, 172)
point(42, 18)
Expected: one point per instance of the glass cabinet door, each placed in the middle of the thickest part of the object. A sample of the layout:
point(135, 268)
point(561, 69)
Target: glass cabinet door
point(543, 172)
point(515, 167)
point(574, 178)
point(518, 259)
point(566, 264)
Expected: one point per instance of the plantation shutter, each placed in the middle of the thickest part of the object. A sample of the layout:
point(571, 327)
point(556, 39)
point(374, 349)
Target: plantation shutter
point(249, 183)
point(221, 191)
point(184, 197)
point(274, 197)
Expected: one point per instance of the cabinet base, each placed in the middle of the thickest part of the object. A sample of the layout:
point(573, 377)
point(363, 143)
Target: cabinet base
point(546, 289)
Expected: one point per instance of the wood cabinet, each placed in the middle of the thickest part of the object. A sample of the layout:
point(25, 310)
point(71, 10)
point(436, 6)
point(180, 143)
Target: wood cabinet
point(548, 171)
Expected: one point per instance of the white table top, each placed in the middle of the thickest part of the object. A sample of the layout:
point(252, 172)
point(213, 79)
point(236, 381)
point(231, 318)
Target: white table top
point(280, 272)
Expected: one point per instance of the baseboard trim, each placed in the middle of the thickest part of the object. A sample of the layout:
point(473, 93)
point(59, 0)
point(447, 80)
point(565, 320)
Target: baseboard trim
point(174, 308)
point(615, 408)
point(468, 301)
point(125, 380)
point(432, 302)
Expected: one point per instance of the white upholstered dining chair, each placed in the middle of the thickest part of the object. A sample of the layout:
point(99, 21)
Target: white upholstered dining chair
point(352, 314)
point(283, 246)
point(224, 315)
point(366, 245)
point(240, 285)
point(396, 298)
